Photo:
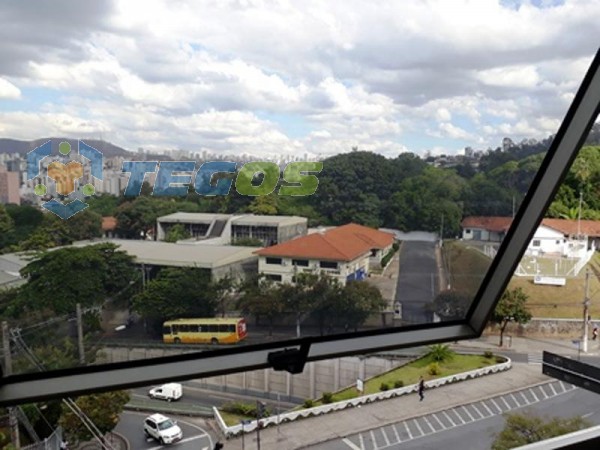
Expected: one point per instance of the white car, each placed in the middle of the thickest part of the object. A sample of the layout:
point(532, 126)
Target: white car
point(163, 429)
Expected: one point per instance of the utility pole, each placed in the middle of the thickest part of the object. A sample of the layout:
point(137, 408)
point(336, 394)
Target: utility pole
point(12, 415)
point(80, 335)
point(586, 304)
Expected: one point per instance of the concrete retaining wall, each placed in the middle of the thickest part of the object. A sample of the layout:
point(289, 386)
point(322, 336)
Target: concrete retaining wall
point(546, 328)
point(318, 377)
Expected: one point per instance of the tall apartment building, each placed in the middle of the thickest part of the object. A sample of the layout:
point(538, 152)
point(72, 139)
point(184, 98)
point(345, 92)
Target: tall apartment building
point(9, 186)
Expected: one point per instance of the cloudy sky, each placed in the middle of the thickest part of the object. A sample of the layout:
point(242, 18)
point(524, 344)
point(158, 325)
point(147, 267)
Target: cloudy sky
point(292, 77)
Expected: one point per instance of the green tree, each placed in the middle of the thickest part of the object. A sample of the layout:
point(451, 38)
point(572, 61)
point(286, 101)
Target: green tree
point(176, 233)
point(523, 429)
point(359, 300)
point(6, 221)
point(58, 280)
point(264, 205)
point(512, 307)
point(176, 292)
point(451, 305)
point(104, 204)
point(262, 298)
point(102, 409)
point(84, 225)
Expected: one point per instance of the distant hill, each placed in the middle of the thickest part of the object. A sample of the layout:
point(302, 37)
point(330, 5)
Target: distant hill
point(108, 150)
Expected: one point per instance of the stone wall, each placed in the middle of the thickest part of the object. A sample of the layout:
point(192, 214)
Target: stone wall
point(546, 328)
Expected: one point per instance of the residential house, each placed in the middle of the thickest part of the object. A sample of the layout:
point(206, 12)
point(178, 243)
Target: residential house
point(346, 253)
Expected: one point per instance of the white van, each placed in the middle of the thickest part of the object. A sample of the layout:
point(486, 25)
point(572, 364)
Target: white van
point(168, 392)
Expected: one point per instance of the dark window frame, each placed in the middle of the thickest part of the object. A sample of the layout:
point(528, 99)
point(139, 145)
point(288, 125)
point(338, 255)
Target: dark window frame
point(584, 110)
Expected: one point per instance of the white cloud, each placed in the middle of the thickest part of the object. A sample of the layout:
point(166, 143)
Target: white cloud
point(355, 72)
point(9, 90)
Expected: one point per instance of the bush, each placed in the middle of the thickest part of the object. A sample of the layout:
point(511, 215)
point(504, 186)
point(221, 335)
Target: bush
point(244, 409)
point(327, 397)
point(488, 354)
point(308, 403)
point(396, 246)
point(398, 384)
point(440, 352)
point(434, 369)
point(500, 359)
point(384, 387)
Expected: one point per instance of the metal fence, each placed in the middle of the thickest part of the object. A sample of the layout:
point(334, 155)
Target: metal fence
point(52, 442)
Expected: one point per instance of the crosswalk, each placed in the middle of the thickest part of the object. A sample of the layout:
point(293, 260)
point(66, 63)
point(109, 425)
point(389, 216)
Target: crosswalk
point(408, 430)
point(534, 358)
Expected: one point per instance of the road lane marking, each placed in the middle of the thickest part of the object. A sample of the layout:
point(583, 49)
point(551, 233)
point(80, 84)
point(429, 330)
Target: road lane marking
point(444, 427)
point(408, 431)
point(496, 405)
point(375, 447)
point(478, 412)
point(468, 413)
point(534, 396)
point(508, 407)
point(429, 424)
point(396, 433)
point(527, 402)
point(449, 419)
point(486, 407)
point(350, 444)
point(419, 427)
point(515, 400)
point(387, 441)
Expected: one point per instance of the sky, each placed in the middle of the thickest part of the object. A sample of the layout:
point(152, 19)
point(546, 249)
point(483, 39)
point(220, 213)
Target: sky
point(293, 78)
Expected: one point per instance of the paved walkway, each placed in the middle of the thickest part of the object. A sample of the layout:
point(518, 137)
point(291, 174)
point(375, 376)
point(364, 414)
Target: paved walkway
point(308, 432)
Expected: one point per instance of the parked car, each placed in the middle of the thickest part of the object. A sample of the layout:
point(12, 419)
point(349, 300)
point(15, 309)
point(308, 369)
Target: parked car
point(163, 429)
point(168, 392)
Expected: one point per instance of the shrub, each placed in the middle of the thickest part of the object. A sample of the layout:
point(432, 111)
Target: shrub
point(440, 352)
point(500, 359)
point(384, 387)
point(488, 354)
point(327, 397)
point(244, 409)
point(398, 384)
point(396, 246)
point(308, 403)
point(434, 369)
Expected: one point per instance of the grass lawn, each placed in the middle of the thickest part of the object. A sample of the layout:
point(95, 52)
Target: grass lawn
point(408, 373)
point(468, 266)
point(562, 301)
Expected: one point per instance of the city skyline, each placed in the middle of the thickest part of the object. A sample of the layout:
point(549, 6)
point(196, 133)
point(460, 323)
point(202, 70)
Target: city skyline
point(276, 78)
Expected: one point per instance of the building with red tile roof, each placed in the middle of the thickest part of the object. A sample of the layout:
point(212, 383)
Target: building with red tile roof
point(346, 252)
point(562, 237)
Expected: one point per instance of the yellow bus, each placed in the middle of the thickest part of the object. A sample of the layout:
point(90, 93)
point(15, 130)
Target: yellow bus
point(216, 330)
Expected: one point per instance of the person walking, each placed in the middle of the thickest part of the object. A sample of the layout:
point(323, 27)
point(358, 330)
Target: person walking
point(594, 333)
point(421, 388)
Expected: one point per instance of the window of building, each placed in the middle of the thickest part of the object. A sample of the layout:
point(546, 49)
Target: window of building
point(328, 264)
point(536, 243)
point(273, 277)
point(270, 260)
point(300, 262)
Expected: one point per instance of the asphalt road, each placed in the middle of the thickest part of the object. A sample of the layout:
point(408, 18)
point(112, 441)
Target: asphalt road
point(474, 426)
point(195, 437)
point(417, 281)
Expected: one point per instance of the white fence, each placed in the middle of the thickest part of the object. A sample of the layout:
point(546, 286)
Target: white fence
point(235, 430)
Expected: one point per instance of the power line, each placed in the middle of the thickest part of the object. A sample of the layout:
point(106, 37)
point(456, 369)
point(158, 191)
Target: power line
point(87, 422)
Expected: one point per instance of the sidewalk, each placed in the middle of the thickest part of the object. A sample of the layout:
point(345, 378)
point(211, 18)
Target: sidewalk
point(307, 432)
